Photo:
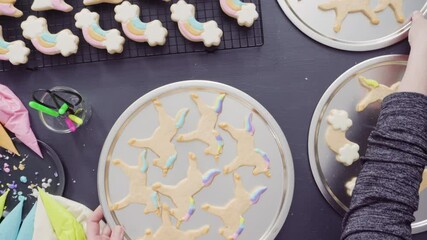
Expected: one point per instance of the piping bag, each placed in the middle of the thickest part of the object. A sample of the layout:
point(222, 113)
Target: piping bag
point(14, 116)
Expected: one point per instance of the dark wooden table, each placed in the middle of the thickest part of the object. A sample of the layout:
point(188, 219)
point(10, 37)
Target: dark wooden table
point(288, 75)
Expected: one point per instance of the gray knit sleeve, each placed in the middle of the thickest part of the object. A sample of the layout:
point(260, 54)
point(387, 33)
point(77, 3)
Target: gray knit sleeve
point(386, 193)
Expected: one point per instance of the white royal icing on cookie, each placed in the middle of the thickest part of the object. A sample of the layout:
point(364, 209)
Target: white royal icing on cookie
point(212, 34)
point(247, 15)
point(15, 52)
point(349, 186)
point(348, 154)
point(63, 42)
point(152, 32)
point(181, 11)
point(44, 5)
point(339, 120)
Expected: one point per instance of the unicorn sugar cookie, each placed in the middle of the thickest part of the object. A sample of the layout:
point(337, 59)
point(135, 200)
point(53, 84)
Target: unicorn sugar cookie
point(15, 52)
point(182, 194)
point(344, 7)
point(232, 213)
point(247, 153)
point(377, 92)
point(160, 142)
point(395, 5)
point(152, 32)
point(193, 30)
point(245, 13)
point(44, 5)
point(94, 2)
point(139, 192)
point(169, 231)
point(63, 42)
point(346, 151)
point(7, 8)
point(349, 186)
point(97, 37)
point(205, 131)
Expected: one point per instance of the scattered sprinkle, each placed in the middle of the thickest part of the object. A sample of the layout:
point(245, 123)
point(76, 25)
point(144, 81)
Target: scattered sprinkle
point(21, 166)
point(23, 179)
point(55, 174)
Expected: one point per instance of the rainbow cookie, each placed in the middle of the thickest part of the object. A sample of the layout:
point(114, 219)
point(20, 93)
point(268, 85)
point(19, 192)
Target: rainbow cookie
point(152, 32)
point(139, 192)
point(169, 231)
point(44, 5)
point(245, 13)
point(193, 30)
point(377, 92)
point(344, 7)
point(15, 52)
point(346, 151)
point(182, 194)
point(7, 8)
point(232, 213)
point(205, 131)
point(247, 153)
point(160, 142)
point(97, 37)
point(63, 42)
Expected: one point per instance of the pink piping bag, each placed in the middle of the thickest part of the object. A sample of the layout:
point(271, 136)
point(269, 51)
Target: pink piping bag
point(15, 118)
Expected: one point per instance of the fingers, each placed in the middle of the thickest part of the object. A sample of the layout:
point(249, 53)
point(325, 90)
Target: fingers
point(417, 15)
point(106, 231)
point(93, 223)
point(118, 233)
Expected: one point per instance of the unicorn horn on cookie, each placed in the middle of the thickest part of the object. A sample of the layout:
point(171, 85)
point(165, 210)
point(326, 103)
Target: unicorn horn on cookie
point(15, 52)
point(152, 32)
point(184, 14)
point(97, 37)
point(63, 42)
point(245, 13)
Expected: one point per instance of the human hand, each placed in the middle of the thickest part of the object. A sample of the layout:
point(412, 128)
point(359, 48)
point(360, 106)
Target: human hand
point(418, 32)
point(93, 228)
point(415, 78)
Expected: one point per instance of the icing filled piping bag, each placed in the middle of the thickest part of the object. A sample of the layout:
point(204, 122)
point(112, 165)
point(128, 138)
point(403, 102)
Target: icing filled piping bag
point(14, 117)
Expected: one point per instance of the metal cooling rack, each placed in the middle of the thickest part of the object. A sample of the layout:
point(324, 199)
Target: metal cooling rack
point(234, 35)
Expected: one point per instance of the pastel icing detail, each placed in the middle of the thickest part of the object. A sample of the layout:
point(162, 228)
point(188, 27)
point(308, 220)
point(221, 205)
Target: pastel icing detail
point(371, 82)
point(171, 160)
point(240, 229)
point(264, 156)
point(181, 119)
point(219, 103)
point(348, 154)
point(44, 5)
point(111, 40)
point(152, 32)
point(346, 151)
point(209, 176)
point(339, 120)
point(15, 52)
point(8, 9)
point(191, 210)
point(144, 167)
point(256, 195)
point(248, 124)
point(220, 142)
point(63, 42)
point(9, 227)
point(245, 13)
point(155, 199)
point(208, 32)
